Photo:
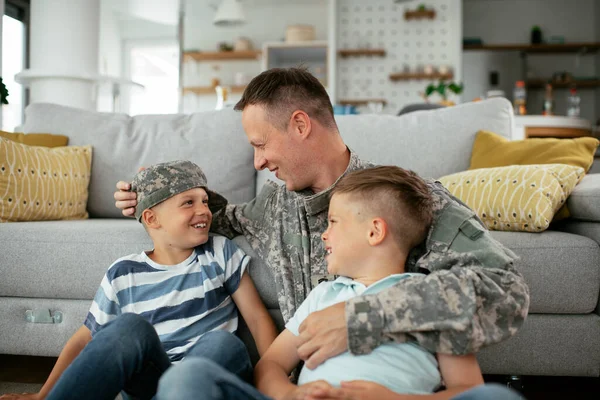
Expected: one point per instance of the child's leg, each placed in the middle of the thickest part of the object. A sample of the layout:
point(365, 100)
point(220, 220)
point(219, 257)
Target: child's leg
point(224, 349)
point(125, 355)
point(196, 378)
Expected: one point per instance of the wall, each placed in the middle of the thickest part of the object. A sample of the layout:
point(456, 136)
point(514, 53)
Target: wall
point(408, 43)
point(266, 21)
point(510, 21)
point(1, 15)
point(597, 19)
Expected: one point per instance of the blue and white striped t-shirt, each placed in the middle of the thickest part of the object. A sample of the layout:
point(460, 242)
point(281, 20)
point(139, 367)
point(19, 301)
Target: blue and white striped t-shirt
point(181, 301)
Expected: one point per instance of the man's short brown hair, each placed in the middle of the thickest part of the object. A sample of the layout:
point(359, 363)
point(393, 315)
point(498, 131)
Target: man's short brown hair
point(397, 195)
point(284, 90)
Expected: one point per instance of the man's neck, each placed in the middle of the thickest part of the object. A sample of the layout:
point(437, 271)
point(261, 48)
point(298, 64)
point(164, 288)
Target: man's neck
point(331, 167)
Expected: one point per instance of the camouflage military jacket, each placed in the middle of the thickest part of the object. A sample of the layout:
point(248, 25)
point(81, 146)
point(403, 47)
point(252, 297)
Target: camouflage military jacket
point(471, 297)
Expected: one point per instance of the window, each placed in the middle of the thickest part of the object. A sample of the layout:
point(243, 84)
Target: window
point(156, 66)
point(15, 22)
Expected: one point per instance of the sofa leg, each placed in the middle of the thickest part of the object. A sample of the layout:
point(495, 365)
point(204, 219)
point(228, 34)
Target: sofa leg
point(515, 382)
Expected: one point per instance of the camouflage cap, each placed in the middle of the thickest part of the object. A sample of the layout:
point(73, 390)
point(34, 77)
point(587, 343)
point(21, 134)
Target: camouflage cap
point(160, 182)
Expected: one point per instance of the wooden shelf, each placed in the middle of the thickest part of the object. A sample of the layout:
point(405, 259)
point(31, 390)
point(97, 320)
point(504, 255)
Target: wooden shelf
point(416, 14)
point(361, 52)
point(582, 84)
point(537, 48)
point(361, 102)
point(200, 90)
point(221, 55)
point(431, 77)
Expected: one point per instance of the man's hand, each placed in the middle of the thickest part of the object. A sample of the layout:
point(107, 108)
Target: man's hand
point(358, 390)
point(21, 396)
point(323, 335)
point(126, 201)
point(304, 392)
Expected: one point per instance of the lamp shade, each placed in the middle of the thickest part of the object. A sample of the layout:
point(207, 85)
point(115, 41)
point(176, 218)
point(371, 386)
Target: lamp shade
point(229, 13)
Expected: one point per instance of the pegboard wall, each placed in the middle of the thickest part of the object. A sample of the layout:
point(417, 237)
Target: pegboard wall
point(410, 45)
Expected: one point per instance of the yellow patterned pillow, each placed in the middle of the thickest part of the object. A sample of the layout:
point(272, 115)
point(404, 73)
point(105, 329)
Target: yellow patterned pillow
point(36, 139)
point(39, 183)
point(518, 197)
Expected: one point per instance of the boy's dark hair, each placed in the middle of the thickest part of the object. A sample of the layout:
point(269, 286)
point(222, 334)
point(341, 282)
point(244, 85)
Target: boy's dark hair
point(397, 195)
point(284, 90)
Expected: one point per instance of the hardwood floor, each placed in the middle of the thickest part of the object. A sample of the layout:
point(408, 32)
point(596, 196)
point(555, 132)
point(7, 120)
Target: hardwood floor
point(28, 370)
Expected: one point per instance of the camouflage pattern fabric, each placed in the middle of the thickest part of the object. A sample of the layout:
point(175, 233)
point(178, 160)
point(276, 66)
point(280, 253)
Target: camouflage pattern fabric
point(160, 182)
point(472, 297)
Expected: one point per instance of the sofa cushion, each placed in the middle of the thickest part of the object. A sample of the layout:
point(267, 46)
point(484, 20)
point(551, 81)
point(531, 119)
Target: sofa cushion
point(36, 139)
point(66, 260)
point(492, 150)
point(432, 143)
point(584, 202)
point(561, 269)
point(214, 140)
point(40, 183)
point(517, 197)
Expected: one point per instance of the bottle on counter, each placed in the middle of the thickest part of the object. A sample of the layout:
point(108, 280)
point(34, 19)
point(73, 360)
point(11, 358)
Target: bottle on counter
point(548, 108)
point(520, 98)
point(573, 109)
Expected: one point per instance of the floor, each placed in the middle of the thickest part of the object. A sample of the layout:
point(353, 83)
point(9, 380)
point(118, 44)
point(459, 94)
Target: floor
point(24, 374)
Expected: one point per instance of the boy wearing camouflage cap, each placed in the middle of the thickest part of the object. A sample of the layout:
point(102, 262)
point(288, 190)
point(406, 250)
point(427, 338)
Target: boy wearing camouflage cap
point(160, 306)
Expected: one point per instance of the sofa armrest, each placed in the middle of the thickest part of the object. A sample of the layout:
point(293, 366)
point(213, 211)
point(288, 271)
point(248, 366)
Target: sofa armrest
point(584, 202)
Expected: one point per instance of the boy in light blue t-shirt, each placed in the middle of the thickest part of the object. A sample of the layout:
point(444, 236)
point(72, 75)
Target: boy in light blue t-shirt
point(376, 216)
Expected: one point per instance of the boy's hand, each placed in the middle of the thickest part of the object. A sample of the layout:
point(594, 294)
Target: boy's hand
point(126, 201)
point(358, 390)
point(22, 396)
point(323, 335)
point(305, 391)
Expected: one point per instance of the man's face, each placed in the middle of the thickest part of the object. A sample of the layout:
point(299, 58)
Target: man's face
point(185, 219)
point(346, 238)
point(278, 151)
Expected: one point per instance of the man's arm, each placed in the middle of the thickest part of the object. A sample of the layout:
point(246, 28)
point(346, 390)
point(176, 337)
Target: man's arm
point(473, 296)
point(242, 219)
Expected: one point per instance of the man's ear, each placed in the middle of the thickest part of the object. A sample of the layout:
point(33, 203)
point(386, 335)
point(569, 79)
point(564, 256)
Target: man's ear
point(300, 124)
point(150, 219)
point(378, 231)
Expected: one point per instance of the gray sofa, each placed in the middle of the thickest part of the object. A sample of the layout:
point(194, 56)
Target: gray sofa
point(54, 268)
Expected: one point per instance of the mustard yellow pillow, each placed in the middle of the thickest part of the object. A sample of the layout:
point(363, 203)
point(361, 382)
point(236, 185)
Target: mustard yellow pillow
point(39, 183)
point(492, 150)
point(515, 198)
point(36, 139)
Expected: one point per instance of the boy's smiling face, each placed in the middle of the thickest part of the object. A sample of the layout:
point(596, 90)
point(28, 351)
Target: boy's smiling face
point(184, 219)
point(346, 238)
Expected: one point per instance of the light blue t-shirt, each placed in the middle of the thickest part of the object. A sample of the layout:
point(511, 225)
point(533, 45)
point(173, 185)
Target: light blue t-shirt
point(401, 367)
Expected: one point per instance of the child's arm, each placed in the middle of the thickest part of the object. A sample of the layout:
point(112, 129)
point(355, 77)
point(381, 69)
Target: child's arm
point(271, 374)
point(71, 350)
point(459, 373)
point(255, 314)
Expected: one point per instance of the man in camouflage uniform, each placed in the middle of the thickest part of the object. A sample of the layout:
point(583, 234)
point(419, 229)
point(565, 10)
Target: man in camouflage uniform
point(472, 296)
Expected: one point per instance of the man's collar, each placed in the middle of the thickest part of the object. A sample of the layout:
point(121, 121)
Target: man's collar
point(317, 203)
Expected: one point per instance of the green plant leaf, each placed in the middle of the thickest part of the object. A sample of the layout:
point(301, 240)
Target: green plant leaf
point(456, 89)
point(441, 89)
point(430, 89)
point(3, 92)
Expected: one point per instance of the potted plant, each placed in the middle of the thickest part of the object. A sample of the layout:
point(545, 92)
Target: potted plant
point(443, 90)
point(3, 93)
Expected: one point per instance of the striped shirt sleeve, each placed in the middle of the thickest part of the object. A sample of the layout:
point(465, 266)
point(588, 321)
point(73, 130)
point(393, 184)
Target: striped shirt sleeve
point(235, 264)
point(105, 307)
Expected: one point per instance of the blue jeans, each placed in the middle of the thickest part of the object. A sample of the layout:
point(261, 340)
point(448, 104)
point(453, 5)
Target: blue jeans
point(196, 378)
point(127, 355)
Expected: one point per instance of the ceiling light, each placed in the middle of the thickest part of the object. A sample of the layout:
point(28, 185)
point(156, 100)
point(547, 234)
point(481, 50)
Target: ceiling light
point(229, 13)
